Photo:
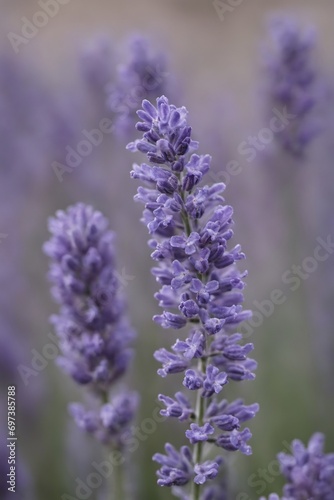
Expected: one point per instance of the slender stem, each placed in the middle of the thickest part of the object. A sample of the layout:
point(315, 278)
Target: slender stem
point(200, 409)
point(202, 362)
point(184, 215)
point(118, 483)
point(117, 480)
point(187, 225)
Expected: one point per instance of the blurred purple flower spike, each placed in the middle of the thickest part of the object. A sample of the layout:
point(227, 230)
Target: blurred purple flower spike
point(92, 326)
point(144, 76)
point(292, 83)
point(309, 471)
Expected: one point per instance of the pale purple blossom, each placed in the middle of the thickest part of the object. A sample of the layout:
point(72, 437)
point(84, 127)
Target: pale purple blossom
point(92, 326)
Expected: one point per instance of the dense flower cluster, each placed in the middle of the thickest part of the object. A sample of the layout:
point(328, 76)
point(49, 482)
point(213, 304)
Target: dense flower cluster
point(143, 76)
point(93, 330)
point(292, 85)
point(200, 288)
point(309, 471)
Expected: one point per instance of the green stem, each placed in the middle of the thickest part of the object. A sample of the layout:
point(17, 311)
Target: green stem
point(187, 225)
point(200, 409)
point(117, 479)
point(118, 483)
point(200, 401)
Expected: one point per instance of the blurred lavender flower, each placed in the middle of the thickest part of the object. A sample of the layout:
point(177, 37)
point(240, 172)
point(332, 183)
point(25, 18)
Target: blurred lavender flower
point(97, 72)
point(92, 326)
point(24, 105)
point(309, 471)
point(201, 288)
point(143, 76)
point(96, 64)
point(293, 83)
point(23, 119)
point(11, 353)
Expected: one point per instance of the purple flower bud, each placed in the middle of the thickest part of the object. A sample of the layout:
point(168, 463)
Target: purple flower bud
point(189, 308)
point(176, 467)
point(207, 470)
point(193, 347)
point(181, 275)
point(86, 420)
point(214, 381)
point(235, 441)
point(169, 320)
point(192, 380)
point(179, 407)
point(171, 362)
point(197, 433)
point(117, 415)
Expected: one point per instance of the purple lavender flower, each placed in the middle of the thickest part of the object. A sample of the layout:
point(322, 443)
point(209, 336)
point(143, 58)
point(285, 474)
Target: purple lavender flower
point(93, 330)
point(143, 76)
point(309, 471)
point(176, 467)
point(201, 288)
point(292, 83)
point(24, 120)
point(96, 64)
point(97, 68)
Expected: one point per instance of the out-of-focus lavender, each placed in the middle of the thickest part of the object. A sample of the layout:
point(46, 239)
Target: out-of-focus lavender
point(93, 329)
point(24, 110)
point(317, 220)
point(97, 70)
point(44, 113)
point(292, 83)
point(144, 76)
point(309, 471)
point(201, 289)
point(96, 64)
point(24, 119)
point(111, 86)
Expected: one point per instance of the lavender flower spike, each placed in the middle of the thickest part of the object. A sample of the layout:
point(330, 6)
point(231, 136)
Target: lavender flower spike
point(292, 83)
point(200, 289)
point(309, 471)
point(92, 326)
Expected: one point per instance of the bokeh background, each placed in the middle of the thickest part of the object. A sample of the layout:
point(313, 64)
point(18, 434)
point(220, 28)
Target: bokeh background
point(282, 205)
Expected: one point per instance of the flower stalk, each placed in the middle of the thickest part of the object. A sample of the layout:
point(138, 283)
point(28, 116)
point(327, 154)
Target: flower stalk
point(92, 326)
point(200, 290)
